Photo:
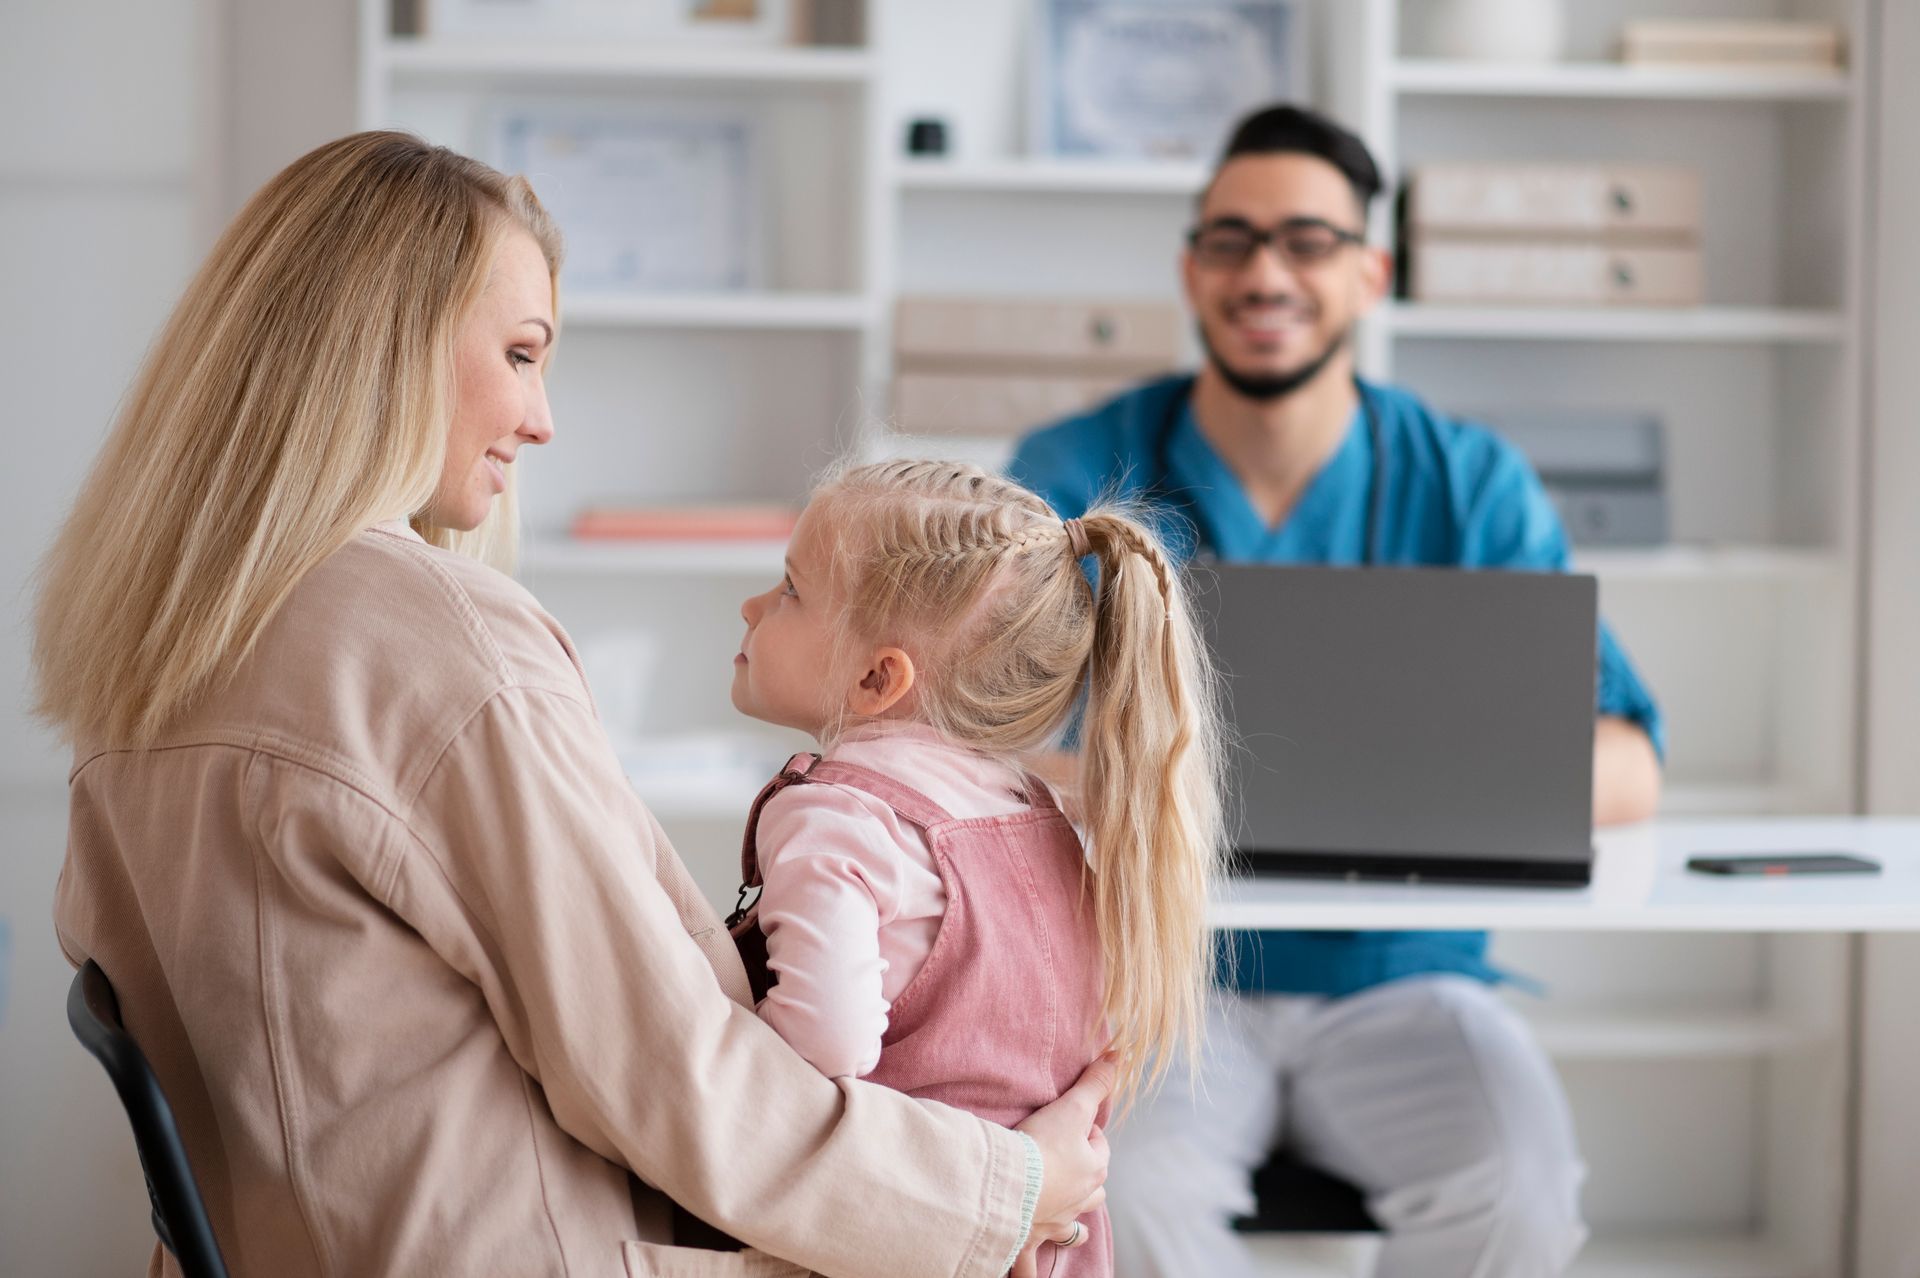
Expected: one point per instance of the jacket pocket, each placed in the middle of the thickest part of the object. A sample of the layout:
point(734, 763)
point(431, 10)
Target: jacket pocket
point(655, 1260)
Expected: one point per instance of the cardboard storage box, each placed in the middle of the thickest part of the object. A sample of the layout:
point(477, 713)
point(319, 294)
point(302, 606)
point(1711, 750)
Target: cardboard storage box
point(1554, 199)
point(1554, 273)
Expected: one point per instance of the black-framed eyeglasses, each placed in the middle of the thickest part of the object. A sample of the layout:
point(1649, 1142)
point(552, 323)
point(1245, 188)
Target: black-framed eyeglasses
point(1229, 243)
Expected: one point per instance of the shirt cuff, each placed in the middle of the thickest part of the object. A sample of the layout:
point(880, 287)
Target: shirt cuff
point(1030, 1202)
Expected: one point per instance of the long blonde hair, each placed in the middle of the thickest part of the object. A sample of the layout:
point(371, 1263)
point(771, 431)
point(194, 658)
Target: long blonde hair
point(979, 581)
point(301, 391)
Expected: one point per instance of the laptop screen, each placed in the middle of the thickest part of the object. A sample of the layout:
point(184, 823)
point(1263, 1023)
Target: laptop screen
point(1425, 716)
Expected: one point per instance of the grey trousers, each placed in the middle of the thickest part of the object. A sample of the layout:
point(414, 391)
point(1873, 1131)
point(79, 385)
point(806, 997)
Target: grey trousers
point(1427, 1093)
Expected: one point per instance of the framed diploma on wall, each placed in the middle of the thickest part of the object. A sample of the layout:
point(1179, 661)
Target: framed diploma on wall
point(658, 198)
point(1157, 79)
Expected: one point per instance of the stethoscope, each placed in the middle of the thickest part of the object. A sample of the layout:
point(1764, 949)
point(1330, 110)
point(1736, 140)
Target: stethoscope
point(1162, 489)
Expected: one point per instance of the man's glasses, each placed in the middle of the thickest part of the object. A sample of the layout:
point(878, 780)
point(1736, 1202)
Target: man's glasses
point(1302, 242)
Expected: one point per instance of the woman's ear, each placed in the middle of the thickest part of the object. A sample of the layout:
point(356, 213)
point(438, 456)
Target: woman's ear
point(888, 677)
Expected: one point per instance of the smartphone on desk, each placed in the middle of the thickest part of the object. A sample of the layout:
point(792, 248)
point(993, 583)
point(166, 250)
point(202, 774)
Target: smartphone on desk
point(1783, 863)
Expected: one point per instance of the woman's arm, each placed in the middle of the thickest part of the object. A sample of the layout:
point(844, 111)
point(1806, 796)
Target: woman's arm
point(538, 875)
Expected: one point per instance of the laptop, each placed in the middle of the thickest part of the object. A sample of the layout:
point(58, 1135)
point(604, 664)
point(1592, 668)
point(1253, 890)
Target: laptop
point(1407, 723)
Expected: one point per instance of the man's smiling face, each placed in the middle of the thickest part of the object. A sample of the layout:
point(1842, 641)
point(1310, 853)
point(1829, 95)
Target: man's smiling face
point(1277, 316)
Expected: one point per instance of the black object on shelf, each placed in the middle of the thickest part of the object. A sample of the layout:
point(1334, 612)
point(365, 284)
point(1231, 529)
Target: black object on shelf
point(927, 136)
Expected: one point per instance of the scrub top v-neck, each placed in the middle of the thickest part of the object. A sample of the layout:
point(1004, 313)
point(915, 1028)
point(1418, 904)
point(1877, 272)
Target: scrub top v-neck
point(1324, 526)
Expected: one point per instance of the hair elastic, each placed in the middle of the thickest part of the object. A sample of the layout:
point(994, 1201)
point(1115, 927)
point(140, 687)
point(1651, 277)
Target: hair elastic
point(1077, 538)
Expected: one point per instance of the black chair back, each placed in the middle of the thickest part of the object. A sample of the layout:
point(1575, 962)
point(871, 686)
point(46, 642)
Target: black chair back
point(179, 1215)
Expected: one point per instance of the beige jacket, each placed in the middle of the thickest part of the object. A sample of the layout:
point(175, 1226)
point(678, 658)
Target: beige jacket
point(423, 979)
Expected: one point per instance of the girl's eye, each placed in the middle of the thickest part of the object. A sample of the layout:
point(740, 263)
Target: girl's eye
point(518, 357)
point(786, 588)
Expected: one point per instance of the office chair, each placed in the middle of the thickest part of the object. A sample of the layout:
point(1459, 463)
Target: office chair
point(179, 1215)
point(1293, 1198)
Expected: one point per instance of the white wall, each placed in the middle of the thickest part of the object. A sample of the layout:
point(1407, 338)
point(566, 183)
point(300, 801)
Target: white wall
point(102, 202)
point(135, 129)
point(1889, 1238)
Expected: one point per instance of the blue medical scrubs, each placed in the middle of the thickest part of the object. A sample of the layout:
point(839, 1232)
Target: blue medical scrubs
point(1455, 495)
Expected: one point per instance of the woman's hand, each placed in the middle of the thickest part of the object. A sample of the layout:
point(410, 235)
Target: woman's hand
point(1073, 1156)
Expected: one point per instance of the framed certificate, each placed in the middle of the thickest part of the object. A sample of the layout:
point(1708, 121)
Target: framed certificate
point(649, 198)
point(1157, 79)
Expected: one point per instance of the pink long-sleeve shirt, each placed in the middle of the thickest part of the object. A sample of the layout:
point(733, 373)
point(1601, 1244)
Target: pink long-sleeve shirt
point(851, 900)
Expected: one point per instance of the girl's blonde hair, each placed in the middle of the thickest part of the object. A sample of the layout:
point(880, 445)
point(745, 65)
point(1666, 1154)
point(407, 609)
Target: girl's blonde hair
point(302, 390)
point(979, 580)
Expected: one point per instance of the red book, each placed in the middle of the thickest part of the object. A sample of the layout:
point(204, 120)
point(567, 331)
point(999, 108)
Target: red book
point(685, 523)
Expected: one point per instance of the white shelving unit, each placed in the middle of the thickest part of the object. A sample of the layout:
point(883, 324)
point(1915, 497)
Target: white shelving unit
point(1419, 77)
point(1728, 325)
point(1706, 1073)
point(825, 312)
point(1716, 1135)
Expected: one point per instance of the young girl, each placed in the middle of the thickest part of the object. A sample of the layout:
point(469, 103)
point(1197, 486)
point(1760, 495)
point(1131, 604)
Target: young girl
point(927, 918)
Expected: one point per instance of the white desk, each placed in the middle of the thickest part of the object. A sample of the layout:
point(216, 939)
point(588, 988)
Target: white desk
point(1640, 883)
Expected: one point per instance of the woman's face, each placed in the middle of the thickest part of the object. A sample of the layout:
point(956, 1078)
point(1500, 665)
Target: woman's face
point(500, 393)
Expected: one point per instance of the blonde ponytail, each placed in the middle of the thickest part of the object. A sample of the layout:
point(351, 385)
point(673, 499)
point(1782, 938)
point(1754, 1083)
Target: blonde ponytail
point(1150, 795)
point(984, 583)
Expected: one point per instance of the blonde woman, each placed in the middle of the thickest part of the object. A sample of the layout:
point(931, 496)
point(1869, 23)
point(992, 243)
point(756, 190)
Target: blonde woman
point(927, 917)
point(426, 985)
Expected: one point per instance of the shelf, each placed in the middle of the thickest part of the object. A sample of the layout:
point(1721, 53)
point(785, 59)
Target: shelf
point(1427, 78)
point(755, 556)
point(1609, 1255)
point(1725, 324)
point(828, 312)
point(1707, 565)
point(744, 558)
point(1051, 177)
point(1737, 800)
point(1671, 1036)
point(416, 60)
point(1686, 1256)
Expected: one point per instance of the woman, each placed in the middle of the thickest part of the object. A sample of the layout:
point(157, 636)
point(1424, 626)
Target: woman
point(423, 979)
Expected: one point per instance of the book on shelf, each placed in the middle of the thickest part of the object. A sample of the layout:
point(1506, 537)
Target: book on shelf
point(684, 523)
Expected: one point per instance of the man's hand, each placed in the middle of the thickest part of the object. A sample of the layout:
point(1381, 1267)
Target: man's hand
point(1626, 772)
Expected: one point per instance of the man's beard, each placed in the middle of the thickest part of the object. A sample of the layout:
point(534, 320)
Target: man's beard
point(1267, 388)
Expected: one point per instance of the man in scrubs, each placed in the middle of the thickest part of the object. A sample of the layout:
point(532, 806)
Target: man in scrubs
point(1382, 1057)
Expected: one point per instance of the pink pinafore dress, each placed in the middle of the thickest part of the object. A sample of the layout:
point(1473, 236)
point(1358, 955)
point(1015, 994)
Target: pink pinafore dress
point(1005, 1012)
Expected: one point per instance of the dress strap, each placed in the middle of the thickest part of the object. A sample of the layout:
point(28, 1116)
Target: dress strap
point(808, 767)
point(796, 770)
point(903, 799)
point(1039, 795)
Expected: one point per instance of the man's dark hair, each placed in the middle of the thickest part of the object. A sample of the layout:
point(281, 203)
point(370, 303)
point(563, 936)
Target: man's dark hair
point(1283, 130)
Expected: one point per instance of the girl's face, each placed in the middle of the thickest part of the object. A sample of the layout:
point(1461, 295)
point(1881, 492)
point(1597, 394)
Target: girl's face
point(500, 397)
point(788, 671)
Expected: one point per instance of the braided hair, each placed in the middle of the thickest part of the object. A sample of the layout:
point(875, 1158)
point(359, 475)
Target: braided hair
point(983, 584)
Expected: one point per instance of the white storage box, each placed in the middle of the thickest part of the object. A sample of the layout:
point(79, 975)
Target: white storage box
point(993, 403)
point(1061, 335)
point(1575, 199)
point(1554, 274)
